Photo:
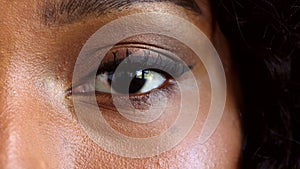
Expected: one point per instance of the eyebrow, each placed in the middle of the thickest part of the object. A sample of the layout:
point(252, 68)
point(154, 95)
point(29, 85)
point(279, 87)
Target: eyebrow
point(60, 12)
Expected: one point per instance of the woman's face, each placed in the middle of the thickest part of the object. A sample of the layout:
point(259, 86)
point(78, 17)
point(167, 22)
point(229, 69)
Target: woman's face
point(39, 127)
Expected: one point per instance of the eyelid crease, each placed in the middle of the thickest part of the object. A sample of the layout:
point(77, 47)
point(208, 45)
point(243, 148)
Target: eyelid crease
point(141, 45)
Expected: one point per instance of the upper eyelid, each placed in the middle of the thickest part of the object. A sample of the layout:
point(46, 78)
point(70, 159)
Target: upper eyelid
point(150, 47)
point(156, 61)
point(163, 54)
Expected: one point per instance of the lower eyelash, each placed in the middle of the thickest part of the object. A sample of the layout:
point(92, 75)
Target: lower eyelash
point(139, 101)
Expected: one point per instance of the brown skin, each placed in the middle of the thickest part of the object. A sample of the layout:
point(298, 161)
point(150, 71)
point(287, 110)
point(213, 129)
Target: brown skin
point(38, 127)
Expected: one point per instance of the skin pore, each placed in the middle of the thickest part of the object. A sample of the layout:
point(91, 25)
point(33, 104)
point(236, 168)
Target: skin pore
point(38, 126)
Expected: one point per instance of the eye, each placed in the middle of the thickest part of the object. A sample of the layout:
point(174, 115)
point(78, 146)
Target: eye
point(143, 70)
point(143, 81)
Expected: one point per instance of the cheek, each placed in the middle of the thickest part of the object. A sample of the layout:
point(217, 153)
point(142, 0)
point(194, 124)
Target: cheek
point(222, 150)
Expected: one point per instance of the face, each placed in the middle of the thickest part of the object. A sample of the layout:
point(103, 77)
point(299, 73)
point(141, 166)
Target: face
point(39, 126)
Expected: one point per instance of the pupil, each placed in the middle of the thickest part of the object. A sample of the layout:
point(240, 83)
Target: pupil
point(136, 85)
point(137, 81)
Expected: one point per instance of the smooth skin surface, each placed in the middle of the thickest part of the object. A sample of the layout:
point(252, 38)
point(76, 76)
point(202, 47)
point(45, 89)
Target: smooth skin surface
point(38, 127)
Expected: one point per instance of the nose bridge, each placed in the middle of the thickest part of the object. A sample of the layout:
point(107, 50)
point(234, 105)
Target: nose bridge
point(24, 136)
point(25, 133)
point(20, 146)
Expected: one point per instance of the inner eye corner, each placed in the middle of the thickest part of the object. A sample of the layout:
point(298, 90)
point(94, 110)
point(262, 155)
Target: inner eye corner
point(68, 93)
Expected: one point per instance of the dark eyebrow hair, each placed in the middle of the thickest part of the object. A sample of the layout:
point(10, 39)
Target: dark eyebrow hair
point(59, 12)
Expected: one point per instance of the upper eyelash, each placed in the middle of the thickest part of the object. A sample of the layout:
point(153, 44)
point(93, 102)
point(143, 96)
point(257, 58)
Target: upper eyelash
point(169, 65)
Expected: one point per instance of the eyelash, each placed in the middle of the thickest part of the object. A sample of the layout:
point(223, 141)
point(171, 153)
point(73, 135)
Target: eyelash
point(167, 65)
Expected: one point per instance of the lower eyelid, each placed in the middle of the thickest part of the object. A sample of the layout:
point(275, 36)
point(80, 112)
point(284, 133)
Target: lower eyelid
point(141, 101)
